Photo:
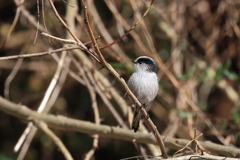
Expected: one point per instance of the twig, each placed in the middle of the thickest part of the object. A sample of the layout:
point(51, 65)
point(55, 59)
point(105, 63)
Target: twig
point(193, 140)
point(91, 90)
point(48, 53)
point(39, 54)
point(26, 13)
point(54, 137)
point(35, 39)
point(64, 24)
point(143, 25)
point(13, 74)
point(42, 105)
point(69, 41)
point(12, 26)
point(103, 97)
point(70, 31)
point(201, 157)
point(64, 41)
point(27, 140)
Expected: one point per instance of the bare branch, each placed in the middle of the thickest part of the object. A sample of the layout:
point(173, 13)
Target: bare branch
point(38, 54)
point(64, 123)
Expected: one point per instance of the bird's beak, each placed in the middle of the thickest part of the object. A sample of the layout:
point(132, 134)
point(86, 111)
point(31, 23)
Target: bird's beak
point(134, 62)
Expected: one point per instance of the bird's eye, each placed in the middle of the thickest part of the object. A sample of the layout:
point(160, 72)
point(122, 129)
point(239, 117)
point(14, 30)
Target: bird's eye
point(140, 62)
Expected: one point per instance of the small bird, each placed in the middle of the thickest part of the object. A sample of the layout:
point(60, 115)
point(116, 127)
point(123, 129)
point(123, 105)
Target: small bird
point(144, 85)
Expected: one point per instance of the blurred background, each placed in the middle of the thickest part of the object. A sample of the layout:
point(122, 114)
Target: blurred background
point(197, 41)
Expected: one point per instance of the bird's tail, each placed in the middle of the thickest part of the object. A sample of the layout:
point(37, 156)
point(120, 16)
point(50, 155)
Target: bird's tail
point(136, 119)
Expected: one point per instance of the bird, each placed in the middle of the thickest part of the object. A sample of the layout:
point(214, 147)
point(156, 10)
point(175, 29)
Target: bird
point(144, 85)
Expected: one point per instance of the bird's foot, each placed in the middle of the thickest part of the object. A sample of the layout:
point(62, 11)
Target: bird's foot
point(144, 106)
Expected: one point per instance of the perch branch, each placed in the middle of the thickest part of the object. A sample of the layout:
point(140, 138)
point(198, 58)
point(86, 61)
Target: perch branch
point(63, 123)
point(117, 76)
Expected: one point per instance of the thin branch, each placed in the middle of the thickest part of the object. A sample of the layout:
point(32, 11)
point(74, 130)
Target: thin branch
point(61, 40)
point(64, 24)
point(35, 39)
point(30, 128)
point(26, 141)
point(12, 26)
point(13, 74)
point(26, 13)
point(104, 98)
point(54, 137)
point(201, 157)
point(193, 140)
point(50, 52)
point(39, 54)
point(64, 41)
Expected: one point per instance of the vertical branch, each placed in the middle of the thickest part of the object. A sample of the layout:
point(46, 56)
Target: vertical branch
point(91, 90)
point(116, 75)
point(12, 26)
point(13, 74)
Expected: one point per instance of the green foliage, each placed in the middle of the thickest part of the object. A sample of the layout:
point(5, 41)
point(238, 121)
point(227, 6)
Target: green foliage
point(164, 53)
point(223, 70)
point(224, 125)
point(183, 114)
point(6, 157)
point(202, 76)
point(235, 115)
point(121, 66)
point(188, 74)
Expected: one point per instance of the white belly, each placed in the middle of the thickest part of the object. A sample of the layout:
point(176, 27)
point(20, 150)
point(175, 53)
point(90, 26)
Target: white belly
point(144, 85)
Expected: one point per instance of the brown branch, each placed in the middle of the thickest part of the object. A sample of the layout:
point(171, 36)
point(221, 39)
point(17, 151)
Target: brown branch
point(49, 52)
point(117, 76)
point(39, 54)
point(64, 41)
point(64, 123)
point(64, 24)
